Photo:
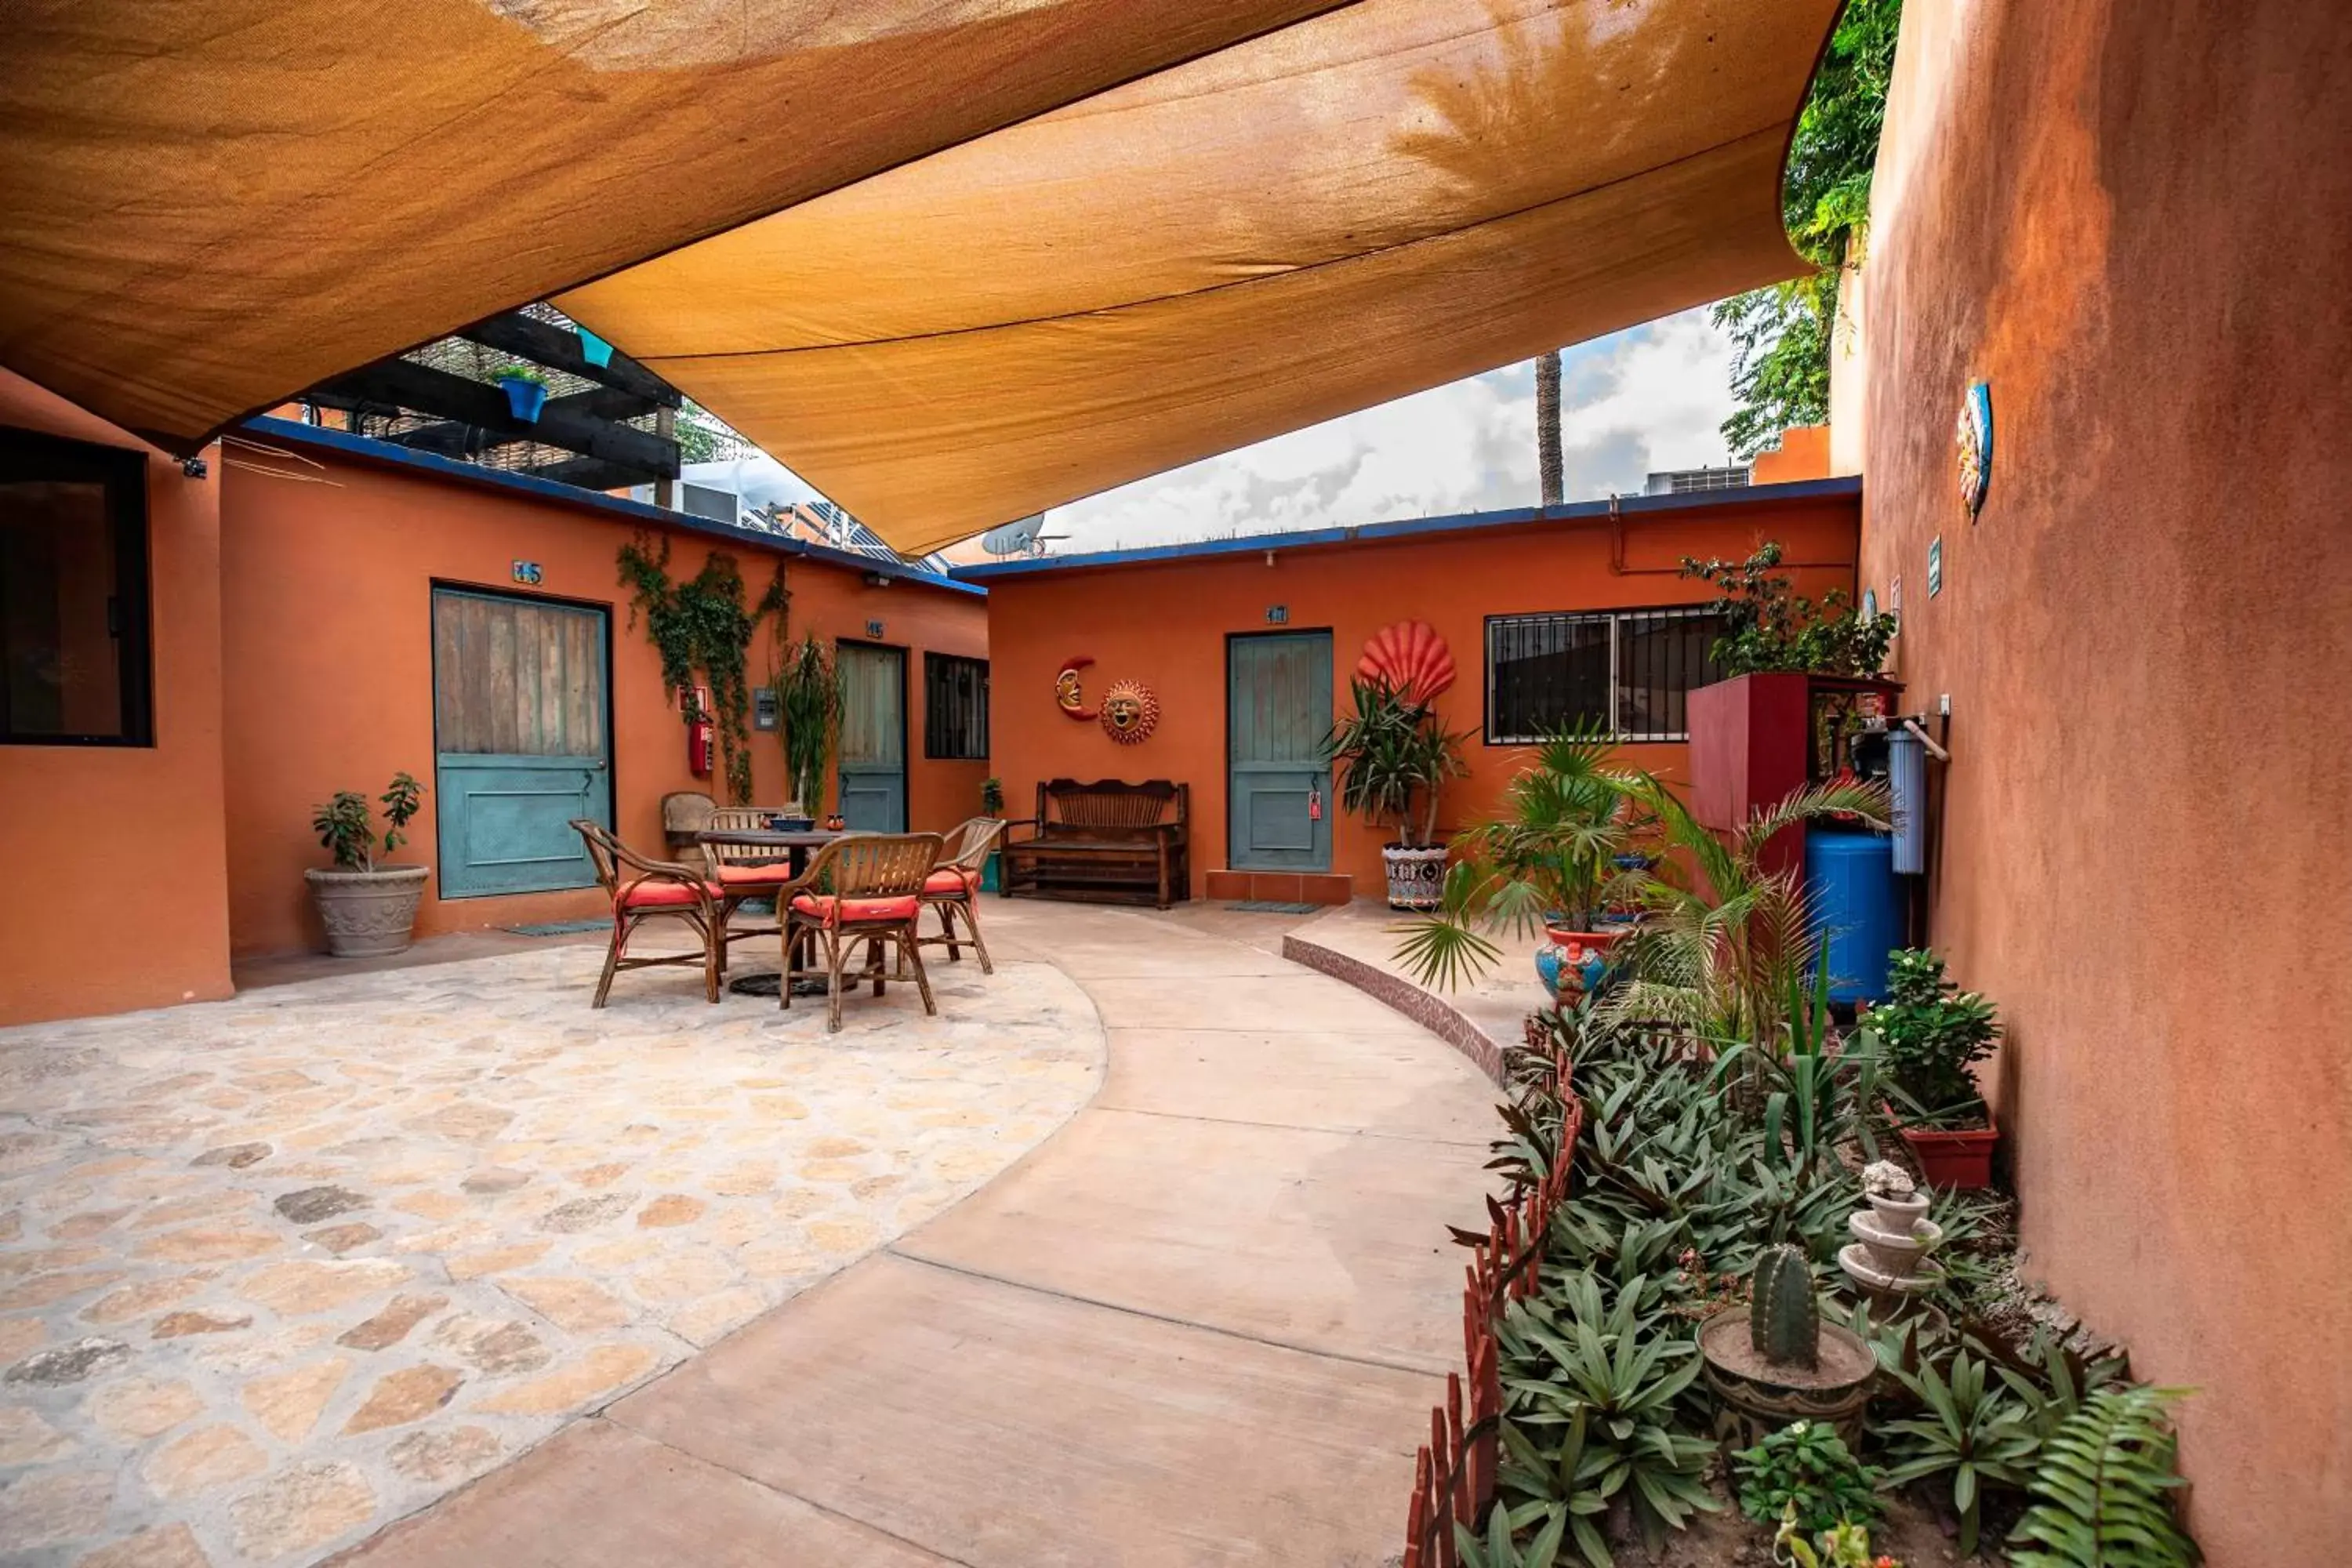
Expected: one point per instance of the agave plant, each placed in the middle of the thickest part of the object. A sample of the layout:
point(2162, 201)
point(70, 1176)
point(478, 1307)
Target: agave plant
point(1723, 952)
point(1550, 856)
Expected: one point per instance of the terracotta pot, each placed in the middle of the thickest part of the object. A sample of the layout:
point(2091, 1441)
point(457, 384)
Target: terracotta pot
point(1583, 956)
point(1954, 1159)
point(367, 913)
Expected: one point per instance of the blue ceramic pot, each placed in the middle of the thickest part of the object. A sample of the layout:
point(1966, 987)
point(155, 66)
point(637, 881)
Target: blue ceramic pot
point(524, 398)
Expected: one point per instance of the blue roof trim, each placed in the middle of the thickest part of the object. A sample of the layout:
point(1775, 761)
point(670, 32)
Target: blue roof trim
point(367, 448)
point(1458, 522)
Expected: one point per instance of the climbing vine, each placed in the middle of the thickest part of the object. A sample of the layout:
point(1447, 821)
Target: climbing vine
point(703, 624)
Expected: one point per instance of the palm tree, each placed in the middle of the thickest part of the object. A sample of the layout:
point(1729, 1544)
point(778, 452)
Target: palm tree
point(1547, 467)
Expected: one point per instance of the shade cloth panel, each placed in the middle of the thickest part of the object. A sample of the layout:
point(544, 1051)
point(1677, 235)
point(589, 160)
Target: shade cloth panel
point(1366, 203)
point(212, 205)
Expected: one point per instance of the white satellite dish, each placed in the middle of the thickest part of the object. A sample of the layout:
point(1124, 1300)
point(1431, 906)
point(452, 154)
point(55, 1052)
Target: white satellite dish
point(1021, 537)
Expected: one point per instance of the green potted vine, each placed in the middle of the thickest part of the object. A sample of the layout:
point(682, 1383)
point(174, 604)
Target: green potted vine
point(992, 804)
point(1551, 861)
point(1393, 756)
point(1930, 1035)
point(368, 910)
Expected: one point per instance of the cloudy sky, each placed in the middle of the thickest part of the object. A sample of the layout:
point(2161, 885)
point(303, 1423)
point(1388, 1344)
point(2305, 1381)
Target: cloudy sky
point(1651, 398)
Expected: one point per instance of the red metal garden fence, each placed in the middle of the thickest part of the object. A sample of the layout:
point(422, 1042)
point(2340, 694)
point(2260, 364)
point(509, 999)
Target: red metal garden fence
point(1455, 1472)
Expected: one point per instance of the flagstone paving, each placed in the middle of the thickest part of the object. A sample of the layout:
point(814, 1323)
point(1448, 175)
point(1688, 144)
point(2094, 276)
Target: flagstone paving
point(276, 1271)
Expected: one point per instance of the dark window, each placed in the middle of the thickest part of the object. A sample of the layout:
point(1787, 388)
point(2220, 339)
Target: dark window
point(1628, 671)
point(73, 594)
point(955, 707)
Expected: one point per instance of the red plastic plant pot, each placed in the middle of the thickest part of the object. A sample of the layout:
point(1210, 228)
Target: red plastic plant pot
point(1960, 1159)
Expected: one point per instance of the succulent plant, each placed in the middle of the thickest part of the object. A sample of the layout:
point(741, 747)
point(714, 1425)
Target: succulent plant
point(1885, 1179)
point(1783, 1323)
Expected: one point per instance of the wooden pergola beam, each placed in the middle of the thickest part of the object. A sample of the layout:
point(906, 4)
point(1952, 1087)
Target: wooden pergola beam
point(568, 423)
point(558, 347)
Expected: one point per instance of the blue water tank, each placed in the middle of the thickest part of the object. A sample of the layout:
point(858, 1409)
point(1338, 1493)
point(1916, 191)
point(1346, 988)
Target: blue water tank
point(1857, 907)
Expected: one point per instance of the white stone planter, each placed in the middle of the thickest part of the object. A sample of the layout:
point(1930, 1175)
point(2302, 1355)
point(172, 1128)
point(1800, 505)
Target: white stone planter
point(1416, 876)
point(368, 913)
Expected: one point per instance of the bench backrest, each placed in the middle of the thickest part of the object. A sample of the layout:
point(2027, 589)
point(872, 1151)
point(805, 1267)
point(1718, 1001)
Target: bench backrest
point(1110, 805)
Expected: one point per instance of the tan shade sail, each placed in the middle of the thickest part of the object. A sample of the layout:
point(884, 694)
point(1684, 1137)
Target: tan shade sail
point(206, 205)
point(1379, 199)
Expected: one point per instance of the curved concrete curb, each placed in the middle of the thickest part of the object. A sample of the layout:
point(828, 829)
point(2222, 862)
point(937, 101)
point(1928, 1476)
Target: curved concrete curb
point(1431, 1012)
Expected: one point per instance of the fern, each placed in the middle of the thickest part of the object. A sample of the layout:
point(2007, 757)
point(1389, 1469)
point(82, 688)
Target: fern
point(2102, 1489)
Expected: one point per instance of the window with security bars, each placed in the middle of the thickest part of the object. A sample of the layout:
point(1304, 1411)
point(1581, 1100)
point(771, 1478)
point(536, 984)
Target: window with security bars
point(1626, 670)
point(955, 707)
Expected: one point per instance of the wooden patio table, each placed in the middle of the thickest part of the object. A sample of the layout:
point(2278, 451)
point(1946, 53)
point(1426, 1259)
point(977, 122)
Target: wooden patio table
point(793, 847)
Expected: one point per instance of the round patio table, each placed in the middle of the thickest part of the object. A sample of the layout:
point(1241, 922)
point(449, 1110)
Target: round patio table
point(793, 847)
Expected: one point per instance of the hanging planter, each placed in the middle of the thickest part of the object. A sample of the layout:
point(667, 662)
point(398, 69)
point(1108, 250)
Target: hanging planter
point(525, 392)
point(593, 349)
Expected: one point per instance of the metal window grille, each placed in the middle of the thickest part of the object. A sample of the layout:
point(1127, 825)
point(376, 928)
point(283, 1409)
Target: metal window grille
point(955, 707)
point(1629, 671)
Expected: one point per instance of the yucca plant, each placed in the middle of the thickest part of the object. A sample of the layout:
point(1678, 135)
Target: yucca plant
point(1722, 950)
point(1394, 757)
point(1816, 1092)
point(1973, 1430)
point(809, 695)
point(1550, 856)
point(2103, 1489)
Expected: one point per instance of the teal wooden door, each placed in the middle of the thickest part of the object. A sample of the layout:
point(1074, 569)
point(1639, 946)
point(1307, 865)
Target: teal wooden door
point(1278, 713)
point(873, 738)
point(522, 741)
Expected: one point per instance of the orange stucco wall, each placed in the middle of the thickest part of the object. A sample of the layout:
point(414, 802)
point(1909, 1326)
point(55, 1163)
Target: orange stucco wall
point(327, 590)
point(81, 933)
point(2144, 636)
point(1803, 454)
point(1165, 623)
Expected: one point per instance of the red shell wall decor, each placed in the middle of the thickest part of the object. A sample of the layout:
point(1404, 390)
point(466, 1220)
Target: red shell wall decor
point(1411, 658)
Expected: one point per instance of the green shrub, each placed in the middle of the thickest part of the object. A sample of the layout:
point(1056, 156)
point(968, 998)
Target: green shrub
point(2103, 1489)
point(1806, 1466)
point(1930, 1032)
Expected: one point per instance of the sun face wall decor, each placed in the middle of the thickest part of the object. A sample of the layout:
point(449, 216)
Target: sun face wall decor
point(1129, 712)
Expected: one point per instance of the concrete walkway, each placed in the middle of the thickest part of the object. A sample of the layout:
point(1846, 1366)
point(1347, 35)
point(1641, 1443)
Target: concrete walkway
point(1203, 1323)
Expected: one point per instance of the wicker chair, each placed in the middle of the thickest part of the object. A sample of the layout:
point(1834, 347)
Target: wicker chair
point(744, 871)
point(953, 888)
point(869, 886)
point(642, 889)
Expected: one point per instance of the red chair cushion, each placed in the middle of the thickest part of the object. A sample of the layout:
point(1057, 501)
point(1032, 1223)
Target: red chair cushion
point(774, 875)
point(651, 895)
point(829, 909)
point(951, 879)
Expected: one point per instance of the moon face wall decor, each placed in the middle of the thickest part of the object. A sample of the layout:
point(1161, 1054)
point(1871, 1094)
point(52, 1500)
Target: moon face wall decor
point(1068, 694)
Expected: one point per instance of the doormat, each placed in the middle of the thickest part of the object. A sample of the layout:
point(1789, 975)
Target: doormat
point(560, 927)
point(1272, 907)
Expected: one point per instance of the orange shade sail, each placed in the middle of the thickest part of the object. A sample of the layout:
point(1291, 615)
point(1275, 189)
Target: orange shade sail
point(207, 205)
point(1381, 198)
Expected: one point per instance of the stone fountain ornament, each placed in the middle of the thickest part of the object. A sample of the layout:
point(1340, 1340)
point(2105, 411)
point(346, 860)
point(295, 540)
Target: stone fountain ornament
point(1887, 1260)
point(1774, 1361)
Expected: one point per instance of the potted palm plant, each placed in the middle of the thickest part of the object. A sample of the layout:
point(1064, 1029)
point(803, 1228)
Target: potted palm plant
point(1930, 1033)
point(367, 910)
point(1549, 861)
point(1393, 756)
point(808, 703)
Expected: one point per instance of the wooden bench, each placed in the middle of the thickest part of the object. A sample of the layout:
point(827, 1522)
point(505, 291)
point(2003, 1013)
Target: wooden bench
point(1107, 842)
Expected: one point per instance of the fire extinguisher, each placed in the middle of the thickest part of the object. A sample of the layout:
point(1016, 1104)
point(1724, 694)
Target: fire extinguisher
point(697, 747)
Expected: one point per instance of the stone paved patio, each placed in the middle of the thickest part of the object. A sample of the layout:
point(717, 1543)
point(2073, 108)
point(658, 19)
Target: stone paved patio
point(276, 1271)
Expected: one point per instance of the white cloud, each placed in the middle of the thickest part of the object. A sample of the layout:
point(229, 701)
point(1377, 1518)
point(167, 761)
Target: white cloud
point(1650, 397)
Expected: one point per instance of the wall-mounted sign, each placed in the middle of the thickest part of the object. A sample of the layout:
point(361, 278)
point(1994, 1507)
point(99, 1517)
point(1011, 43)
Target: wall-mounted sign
point(1973, 440)
point(1895, 595)
point(765, 714)
point(1936, 565)
point(528, 573)
point(873, 628)
point(1277, 614)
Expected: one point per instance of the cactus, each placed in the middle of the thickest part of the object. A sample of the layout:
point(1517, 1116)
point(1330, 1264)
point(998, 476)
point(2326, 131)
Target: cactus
point(1783, 1323)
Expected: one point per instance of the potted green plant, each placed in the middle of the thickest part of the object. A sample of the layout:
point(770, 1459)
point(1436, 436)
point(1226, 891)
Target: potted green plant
point(808, 704)
point(525, 390)
point(1549, 860)
point(1930, 1033)
point(367, 910)
point(1393, 755)
point(992, 804)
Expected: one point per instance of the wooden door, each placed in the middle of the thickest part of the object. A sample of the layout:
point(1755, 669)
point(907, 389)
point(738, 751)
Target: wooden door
point(521, 739)
point(873, 738)
point(1279, 714)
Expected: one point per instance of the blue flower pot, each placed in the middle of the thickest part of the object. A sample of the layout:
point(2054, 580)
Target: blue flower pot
point(524, 398)
point(593, 349)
